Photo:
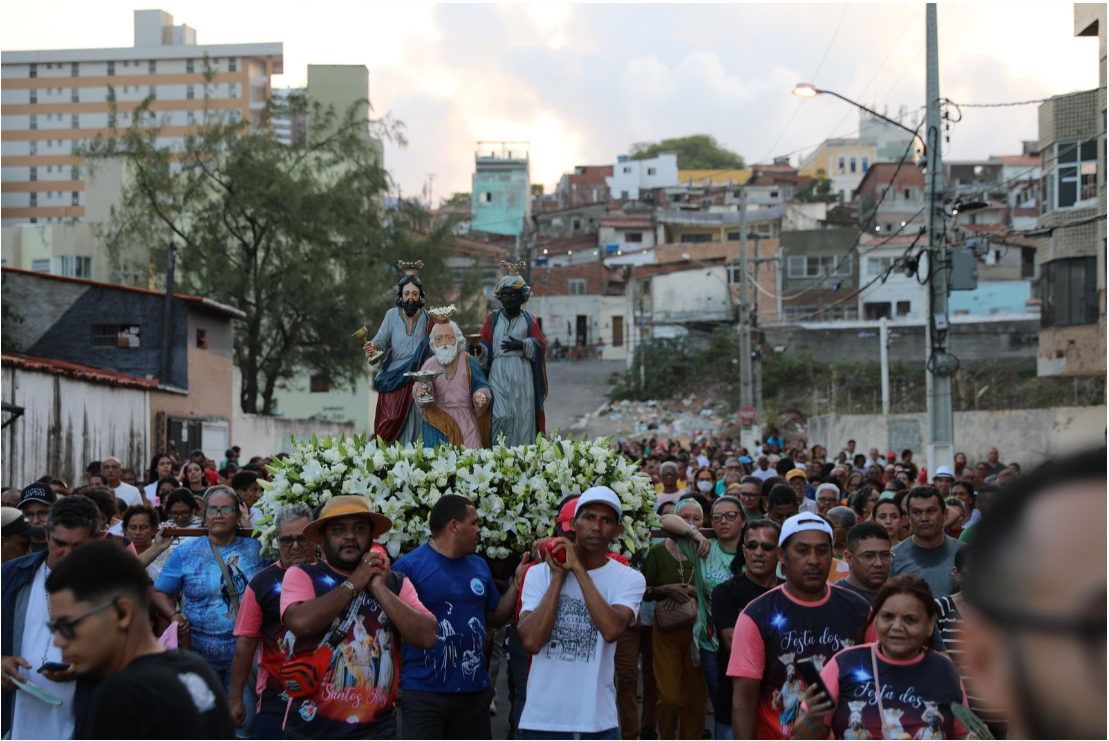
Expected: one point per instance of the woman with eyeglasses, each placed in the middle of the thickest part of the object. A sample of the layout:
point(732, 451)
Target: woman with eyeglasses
point(726, 516)
point(753, 574)
point(211, 574)
point(918, 684)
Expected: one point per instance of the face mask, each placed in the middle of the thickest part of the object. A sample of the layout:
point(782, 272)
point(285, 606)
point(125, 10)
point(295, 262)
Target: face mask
point(705, 486)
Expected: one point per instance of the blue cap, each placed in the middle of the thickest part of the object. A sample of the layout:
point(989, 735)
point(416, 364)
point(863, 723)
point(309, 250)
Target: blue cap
point(745, 459)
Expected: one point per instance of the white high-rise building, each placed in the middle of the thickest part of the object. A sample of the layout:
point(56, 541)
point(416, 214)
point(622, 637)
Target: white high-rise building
point(57, 99)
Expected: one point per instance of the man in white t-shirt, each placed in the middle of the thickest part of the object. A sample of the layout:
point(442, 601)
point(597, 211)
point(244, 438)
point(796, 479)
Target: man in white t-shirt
point(112, 470)
point(764, 471)
point(571, 614)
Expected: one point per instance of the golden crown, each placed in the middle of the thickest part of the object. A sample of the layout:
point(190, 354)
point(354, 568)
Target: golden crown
point(443, 314)
point(410, 267)
point(513, 268)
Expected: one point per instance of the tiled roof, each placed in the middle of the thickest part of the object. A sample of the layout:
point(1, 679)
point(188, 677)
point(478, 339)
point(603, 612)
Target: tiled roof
point(627, 223)
point(200, 301)
point(74, 370)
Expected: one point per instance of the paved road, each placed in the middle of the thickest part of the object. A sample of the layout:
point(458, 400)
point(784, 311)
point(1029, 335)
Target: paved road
point(575, 389)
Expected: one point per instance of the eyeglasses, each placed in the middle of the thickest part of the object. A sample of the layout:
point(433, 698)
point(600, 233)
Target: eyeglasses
point(753, 545)
point(827, 500)
point(66, 627)
point(226, 509)
point(872, 556)
point(721, 516)
point(287, 541)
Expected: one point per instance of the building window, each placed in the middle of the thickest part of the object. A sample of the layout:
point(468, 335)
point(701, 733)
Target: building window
point(73, 266)
point(650, 171)
point(74, 96)
point(34, 96)
point(74, 173)
point(34, 122)
point(1075, 173)
point(866, 164)
point(152, 67)
point(634, 237)
point(75, 198)
point(576, 286)
point(115, 335)
point(202, 339)
point(624, 194)
point(1070, 292)
point(189, 66)
point(878, 265)
point(854, 165)
point(876, 310)
point(35, 174)
point(232, 64)
point(319, 384)
point(233, 91)
point(818, 266)
point(577, 224)
point(842, 167)
point(34, 71)
point(904, 308)
point(485, 197)
point(34, 203)
point(74, 69)
point(152, 91)
point(191, 118)
point(627, 171)
point(34, 147)
point(41, 266)
point(111, 69)
point(74, 121)
point(190, 93)
point(765, 229)
point(695, 238)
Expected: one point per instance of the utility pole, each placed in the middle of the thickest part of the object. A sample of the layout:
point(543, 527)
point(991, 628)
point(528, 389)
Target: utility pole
point(748, 435)
point(941, 423)
point(167, 315)
point(430, 187)
point(883, 353)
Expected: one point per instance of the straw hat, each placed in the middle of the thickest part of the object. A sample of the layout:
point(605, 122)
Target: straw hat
point(346, 506)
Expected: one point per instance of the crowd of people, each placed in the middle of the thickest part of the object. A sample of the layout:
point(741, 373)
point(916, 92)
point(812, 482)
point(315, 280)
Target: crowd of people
point(788, 593)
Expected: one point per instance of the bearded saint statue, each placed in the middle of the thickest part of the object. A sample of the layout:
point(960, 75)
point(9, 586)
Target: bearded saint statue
point(459, 413)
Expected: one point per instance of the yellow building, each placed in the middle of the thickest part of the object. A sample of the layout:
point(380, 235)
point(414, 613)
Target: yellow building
point(706, 178)
point(845, 161)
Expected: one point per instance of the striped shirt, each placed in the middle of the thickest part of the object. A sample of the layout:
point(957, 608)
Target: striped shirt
point(950, 624)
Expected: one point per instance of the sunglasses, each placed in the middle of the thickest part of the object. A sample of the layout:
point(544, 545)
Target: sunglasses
point(288, 540)
point(753, 545)
point(721, 516)
point(66, 627)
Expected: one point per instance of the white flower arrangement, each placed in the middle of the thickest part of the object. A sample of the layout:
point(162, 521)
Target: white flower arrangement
point(516, 490)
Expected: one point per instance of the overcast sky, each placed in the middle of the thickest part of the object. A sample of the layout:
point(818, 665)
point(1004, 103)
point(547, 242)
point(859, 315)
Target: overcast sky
point(583, 82)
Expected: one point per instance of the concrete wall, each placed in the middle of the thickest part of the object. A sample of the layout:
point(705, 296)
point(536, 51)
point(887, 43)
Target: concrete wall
point(558, 315)
point(1028, 436)
point(67, 423)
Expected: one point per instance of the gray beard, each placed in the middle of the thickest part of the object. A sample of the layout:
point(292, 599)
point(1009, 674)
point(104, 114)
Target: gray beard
point(446, 355)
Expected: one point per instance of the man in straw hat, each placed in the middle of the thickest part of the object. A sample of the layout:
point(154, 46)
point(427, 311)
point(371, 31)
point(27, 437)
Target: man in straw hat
point(514, 351)
point(458, 413)
point(402, 336)
point(353, 603)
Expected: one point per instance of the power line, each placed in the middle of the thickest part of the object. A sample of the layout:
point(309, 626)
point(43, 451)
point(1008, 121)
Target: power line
point(1018, 102)
point(812, 79)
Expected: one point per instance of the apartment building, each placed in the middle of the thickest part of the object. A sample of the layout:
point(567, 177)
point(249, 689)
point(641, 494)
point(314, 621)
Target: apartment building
point(53, 101)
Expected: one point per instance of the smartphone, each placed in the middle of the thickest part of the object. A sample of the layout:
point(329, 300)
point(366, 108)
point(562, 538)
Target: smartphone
point(53, 666)
point(809, 673)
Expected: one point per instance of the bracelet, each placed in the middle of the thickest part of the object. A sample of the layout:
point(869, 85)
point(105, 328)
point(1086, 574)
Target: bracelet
point(818, 729)
point(349, 585)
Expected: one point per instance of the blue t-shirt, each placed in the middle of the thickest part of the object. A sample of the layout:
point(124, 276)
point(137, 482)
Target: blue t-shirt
point(458, 591)
point(193, 571)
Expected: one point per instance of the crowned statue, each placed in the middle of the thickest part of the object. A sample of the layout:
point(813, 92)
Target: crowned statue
point(403, 341)
point(455, 401)
point(513, 349)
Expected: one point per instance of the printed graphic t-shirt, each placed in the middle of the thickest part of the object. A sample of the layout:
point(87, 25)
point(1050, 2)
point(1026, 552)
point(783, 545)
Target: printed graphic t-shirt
point(774, 632)
point(193, 571)
point(916, 695)
point(360, 687)
point(715, 569)
point(260, 617)
point(571, 685)
point(458, 591)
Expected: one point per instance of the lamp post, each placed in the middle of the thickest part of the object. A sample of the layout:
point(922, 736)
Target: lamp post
point(805, 90)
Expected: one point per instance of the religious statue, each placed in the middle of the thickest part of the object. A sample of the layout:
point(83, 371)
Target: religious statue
point(460, 395)
point(513, 349)
point(403, 337)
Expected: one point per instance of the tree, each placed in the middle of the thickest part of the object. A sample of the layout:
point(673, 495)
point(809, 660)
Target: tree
point(818, 189)
point(456, 199)
point(297, 237)
point(696, 152)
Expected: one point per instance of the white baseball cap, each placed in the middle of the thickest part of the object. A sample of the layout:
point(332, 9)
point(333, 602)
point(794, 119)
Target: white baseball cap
point(600, 495)
point(944, 471)
point(799, 524)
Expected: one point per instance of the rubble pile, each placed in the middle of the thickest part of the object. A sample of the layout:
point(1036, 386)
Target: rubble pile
point(684, 417)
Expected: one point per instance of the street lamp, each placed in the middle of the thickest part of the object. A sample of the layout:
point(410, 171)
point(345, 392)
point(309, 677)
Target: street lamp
point(807, 90)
